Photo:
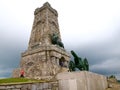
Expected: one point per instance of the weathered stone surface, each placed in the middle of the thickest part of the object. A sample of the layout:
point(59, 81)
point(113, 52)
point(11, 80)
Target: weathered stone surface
point(82, 80)
point(9, 87)
point(45, 24)
point(2, 87)
point(18, 86)
point(42, 63)
point(32, 86)
point(42, 59)
point(113, 84)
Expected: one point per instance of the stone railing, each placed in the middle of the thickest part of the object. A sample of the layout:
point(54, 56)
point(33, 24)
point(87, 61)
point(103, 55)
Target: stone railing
point(30, 86)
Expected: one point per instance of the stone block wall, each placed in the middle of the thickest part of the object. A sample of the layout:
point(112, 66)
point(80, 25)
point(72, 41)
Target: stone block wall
point(31, 86)
point(82, 80)
point(42, 62)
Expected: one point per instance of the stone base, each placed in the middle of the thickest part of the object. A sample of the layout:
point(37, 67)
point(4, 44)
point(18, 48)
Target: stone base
point(44, 85)
point(82, 80)
point(44, 61)
point(36, 74)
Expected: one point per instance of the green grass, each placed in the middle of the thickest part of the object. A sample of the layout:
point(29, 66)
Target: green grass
point(17, 80)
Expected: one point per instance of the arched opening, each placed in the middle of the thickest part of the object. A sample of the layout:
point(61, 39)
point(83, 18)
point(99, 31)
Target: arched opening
point(62, 62)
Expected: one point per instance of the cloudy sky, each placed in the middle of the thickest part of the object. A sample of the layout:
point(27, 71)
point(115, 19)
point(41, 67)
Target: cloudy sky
point(89, 27)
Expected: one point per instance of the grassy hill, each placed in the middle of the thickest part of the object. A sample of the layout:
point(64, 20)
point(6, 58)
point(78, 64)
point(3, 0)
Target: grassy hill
point(18, 80)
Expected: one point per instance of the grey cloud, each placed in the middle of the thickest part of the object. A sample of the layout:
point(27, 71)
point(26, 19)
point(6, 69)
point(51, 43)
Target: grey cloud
point(11, 48)
point(13, 41)
point(103, 57)
point(5, 72)
point(110, 65)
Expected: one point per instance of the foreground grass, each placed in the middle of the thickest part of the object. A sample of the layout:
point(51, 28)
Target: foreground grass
point(17, 80)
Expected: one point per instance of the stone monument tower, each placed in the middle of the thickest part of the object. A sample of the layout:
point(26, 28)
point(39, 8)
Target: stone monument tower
point(45, 56)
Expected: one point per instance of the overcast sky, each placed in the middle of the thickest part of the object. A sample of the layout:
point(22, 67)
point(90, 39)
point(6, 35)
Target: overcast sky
point(89, 27)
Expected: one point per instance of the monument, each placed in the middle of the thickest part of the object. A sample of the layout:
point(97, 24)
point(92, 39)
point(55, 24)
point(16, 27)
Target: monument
point(46, 55)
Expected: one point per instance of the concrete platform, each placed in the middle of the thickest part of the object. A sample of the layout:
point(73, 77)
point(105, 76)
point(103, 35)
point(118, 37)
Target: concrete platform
point(82, 80)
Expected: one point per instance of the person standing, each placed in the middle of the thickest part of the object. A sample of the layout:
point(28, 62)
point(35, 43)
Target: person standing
point(22, 73)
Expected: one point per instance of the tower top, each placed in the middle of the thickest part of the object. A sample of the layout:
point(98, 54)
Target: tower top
point(45, 6)
point(45, 30)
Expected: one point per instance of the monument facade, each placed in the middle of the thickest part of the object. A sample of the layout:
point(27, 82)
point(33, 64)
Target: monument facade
point(46, 55)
